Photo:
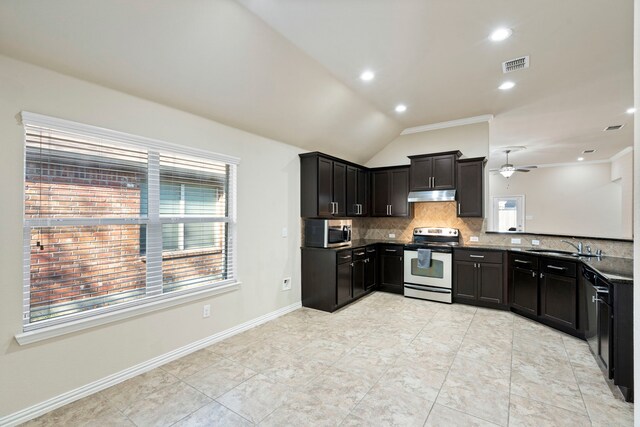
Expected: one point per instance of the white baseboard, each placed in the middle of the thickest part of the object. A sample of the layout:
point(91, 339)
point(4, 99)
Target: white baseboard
point(99, 385)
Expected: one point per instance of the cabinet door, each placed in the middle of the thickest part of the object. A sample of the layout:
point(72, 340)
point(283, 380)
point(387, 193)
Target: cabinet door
point(444, 172)
point(558, 299)
point(325, 186)
point(358, 277)
point(470, 189)
point(391, 273)
point(352, 191)
point(490, 284)
point(524, 290)
point(370, 269)
point(464, 286)
point(421, 172)
point(339, 188)
point(380, 193)
point(363, 192)
point(399, 197)
point(344, 283)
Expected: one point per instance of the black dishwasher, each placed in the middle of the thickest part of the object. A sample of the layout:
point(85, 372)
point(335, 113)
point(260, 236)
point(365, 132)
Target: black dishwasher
point(599, 324)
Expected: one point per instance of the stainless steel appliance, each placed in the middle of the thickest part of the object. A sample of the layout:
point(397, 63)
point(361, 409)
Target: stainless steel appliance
point(433, 282)
point(327, 233)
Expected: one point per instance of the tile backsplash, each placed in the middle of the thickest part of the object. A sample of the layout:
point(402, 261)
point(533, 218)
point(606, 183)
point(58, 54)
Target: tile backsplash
point(443, 214)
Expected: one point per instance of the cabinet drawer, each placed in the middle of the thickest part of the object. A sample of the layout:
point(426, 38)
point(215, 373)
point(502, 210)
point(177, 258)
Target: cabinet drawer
point(359, 253)
point(477, 256)
point(561, 268)
point(344, 256)
point(371, 250)
point(527, 262)
point(392, 250)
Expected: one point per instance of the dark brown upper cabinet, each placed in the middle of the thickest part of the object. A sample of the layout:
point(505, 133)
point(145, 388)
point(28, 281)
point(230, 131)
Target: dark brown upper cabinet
point(434, 171)
point(323, 188)
point(390, 192)
point(357, 191)
point(470, 187)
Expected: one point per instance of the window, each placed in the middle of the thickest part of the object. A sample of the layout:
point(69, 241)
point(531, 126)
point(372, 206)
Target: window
point(113, 220)
point(508, 213)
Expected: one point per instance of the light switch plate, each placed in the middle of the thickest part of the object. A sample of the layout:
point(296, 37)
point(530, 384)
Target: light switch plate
point(206, 310)
point(392, 235)
point(473, 239)
point(516, 241)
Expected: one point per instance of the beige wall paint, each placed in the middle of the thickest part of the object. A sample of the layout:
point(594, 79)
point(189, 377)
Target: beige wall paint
point(471, 140)
point(268, 200)
point(575, 199)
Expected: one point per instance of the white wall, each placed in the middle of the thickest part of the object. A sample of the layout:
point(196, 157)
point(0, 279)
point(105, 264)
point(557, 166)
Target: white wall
point(268, 200)
point(576, 200)
point(471, 140)
point(622, 172)
point(636, 203)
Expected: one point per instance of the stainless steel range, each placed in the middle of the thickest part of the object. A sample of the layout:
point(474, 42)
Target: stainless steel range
point(427, 263)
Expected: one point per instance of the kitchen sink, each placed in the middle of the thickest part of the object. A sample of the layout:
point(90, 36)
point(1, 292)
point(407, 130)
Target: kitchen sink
point(559, 252)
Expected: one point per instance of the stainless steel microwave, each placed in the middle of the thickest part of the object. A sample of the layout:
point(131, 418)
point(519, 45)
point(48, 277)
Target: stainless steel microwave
point(327, 233)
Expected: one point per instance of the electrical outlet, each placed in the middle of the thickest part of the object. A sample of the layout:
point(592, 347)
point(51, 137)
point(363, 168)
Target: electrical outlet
point(516, 241)
point(473, 239)
point(392, 235)
point(206, 310)
point(285, 232)
point(535, 242)
point(286, 284)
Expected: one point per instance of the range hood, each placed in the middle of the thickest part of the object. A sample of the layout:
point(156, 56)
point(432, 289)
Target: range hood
point(432, 196)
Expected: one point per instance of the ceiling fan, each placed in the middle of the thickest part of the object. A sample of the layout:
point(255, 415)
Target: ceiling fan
point(508, 169)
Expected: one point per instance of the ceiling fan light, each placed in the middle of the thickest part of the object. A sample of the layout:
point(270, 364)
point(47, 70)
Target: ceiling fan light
point(507, 172)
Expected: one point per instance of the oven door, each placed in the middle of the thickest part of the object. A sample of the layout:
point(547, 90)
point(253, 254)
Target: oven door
point(437, 275)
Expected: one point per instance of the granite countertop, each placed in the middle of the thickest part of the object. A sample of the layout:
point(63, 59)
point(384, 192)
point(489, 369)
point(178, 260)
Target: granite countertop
point(615, 270)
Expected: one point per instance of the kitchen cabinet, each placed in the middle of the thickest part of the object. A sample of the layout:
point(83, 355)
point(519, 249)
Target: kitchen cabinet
point(470, 187)
point(433, 171)
point(333, 278)
point(322, 186)
point(370, 268)
point(558, 292)
point(524, 285)
point(391, 273)
point(357, 191)
point(623, 338)
point(390, 192)
point(478, 277)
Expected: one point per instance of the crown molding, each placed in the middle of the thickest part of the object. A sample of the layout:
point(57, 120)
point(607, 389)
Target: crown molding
point(449, 124)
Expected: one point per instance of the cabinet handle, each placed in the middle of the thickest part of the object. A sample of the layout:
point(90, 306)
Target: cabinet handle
point(541, 275)
point(557, 268)
point(390, 209)
point(458, 208)
point(533, 274)
point(434, 182)
point(390, 250)
point(371, 251)
point(359, 209)
point(359, 253)
point(521, 261)
point(476, 256)
point(351, 264)
point(345, 257)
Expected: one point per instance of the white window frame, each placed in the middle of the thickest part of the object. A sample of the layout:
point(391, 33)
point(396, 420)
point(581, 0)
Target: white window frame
point(154, 298)
point(520, 210)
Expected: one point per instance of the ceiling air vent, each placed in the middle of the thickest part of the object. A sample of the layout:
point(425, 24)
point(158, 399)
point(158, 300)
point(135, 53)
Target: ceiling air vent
point(615, 127)
point(588, 151)
point(515, 64)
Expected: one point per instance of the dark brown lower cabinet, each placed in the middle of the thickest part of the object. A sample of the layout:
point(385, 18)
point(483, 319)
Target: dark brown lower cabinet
point(524, 291)
point(558, 298)
point(371, 268)
point(478, 278)
point(358, 272)
point(391, 273)
point(343, 293)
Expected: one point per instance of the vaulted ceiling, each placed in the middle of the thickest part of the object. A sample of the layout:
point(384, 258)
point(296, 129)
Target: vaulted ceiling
point(288, 69)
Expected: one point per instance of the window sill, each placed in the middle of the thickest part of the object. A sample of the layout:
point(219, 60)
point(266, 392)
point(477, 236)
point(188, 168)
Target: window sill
point(30, 337)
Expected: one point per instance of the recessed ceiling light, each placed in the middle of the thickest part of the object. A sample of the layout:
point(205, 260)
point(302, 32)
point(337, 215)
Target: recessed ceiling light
point(580, 159)
point(631, 110)
point(500, 34)
point(367, 75)
point(506, 86)
point(401, 108)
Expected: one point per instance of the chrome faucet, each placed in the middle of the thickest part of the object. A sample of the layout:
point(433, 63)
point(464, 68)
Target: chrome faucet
point(578, 247)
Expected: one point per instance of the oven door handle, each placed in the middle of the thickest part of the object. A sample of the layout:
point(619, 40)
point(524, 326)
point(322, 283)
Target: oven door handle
point(428, 288)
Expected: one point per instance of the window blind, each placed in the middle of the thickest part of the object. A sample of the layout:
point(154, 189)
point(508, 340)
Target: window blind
point(112, 220)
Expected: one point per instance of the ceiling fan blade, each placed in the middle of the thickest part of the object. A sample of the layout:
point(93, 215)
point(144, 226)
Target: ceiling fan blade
point(494, 170)
point(522, 170)
point(528, 167)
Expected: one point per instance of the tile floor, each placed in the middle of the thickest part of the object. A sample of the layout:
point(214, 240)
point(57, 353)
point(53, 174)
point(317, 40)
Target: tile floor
point(385, 360)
